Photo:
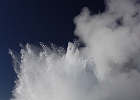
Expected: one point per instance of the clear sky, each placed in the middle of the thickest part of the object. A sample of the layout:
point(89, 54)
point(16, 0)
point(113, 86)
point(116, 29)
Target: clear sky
point(34, 21)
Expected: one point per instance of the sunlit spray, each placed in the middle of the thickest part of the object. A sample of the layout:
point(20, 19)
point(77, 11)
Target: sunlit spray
point(107, 68)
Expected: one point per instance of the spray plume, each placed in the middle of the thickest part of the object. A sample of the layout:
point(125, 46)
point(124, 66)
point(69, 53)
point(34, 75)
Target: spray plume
point(107, 68)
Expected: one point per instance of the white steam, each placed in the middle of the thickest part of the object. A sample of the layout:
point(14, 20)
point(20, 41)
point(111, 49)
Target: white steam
point(108, 68)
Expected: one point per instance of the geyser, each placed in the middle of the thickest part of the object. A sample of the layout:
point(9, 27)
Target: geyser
point(107, 68)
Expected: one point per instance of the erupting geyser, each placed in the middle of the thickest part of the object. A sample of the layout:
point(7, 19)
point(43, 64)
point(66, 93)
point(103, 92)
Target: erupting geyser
point(107, 68)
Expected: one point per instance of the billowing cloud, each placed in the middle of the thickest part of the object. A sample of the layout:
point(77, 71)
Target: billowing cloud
point(107, 68)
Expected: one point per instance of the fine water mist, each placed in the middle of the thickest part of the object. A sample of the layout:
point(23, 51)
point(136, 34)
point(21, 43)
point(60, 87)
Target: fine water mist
point(107, 68)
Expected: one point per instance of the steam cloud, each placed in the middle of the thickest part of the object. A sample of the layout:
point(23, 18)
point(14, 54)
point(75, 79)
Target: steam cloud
point(107, 68)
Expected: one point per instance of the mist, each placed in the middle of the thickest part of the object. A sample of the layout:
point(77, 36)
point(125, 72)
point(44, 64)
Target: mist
point(106, 68)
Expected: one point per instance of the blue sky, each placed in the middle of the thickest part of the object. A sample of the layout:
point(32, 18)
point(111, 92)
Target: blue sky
point(34, 21)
